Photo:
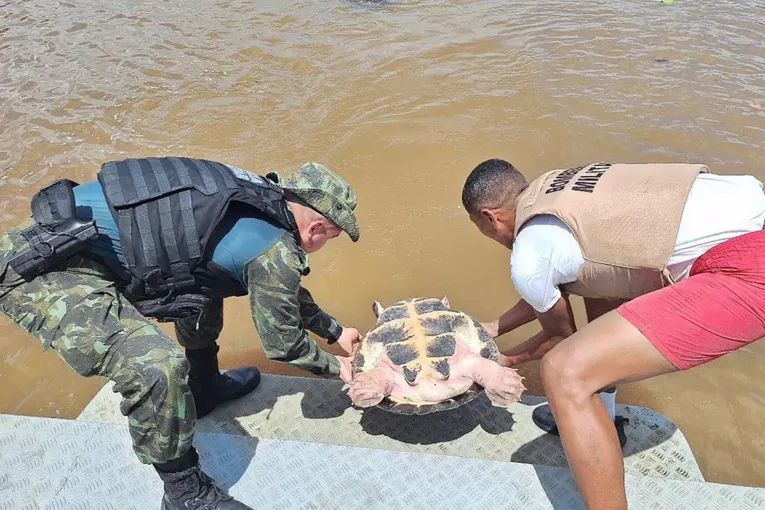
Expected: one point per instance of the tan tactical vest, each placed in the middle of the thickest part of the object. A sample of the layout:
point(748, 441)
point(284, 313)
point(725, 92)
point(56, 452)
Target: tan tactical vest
point(625, 217)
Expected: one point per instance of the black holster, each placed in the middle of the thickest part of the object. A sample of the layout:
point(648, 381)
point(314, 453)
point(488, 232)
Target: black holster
point(173, 307)
point(56, 234)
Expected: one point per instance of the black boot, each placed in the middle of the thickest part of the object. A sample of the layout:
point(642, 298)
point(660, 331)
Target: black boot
point(187, 487)
point(543, 418)
point(210, 387)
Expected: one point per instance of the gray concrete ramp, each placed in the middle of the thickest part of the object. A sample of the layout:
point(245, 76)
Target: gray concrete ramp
point(295, 443)
point(63, 464)
point(319, 411)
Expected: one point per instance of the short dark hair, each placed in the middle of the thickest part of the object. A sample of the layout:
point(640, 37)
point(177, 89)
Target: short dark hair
point(493, 183)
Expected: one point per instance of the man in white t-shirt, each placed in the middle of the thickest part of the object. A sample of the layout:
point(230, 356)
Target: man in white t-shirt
point(670, 260)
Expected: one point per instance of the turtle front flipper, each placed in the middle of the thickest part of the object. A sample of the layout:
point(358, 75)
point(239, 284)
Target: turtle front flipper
point(369, 388)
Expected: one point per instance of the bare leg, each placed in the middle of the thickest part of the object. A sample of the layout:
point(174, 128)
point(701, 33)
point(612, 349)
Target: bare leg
point(542, 415)
point(607, 351)
point(369, 388)
point(597, 308)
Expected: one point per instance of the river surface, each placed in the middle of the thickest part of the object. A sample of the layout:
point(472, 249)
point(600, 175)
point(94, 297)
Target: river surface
point(403, 99)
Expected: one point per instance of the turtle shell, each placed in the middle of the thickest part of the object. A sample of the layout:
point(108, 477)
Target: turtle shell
point(420, 334)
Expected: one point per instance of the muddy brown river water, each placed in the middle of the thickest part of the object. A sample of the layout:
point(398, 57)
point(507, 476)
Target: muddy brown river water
point(402, 98)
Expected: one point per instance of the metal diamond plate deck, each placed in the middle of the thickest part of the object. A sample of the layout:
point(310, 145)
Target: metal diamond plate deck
point(319, 411)
point(62, 464)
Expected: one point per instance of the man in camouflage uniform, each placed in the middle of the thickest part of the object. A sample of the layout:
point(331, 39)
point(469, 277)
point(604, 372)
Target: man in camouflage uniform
point(85, 308)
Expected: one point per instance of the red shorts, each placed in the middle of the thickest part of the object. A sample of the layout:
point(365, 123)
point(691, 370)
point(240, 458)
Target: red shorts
point(718, 308)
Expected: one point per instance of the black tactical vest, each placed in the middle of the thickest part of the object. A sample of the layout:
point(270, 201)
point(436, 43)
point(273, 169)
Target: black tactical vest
point(166, 210)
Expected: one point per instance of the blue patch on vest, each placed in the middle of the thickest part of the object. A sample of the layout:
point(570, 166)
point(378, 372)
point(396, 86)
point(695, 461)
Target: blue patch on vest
point(91, 205)
point(246, 239)
point(246, 235)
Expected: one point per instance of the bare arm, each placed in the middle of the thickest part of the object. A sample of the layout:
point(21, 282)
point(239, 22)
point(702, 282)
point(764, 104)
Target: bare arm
point(520, 314)
point(557, 323)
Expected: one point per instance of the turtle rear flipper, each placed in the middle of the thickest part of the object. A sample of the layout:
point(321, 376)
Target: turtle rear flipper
point(503, 385)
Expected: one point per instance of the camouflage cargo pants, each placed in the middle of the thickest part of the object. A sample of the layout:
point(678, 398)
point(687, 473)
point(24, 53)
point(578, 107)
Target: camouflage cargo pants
point(78, 311)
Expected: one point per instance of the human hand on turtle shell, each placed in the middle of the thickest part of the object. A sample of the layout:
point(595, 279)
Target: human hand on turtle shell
point(349, 340)
point(507, 361)
point(492, 328)
point(346, 369)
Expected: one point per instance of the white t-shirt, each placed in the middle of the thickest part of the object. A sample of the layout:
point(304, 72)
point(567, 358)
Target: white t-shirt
point(546, 254)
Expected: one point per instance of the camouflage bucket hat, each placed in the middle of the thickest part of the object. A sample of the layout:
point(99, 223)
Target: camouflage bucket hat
point(326, 192)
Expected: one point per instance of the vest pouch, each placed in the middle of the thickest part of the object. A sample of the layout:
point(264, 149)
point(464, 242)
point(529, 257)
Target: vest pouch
point(174, 307)
point(56, 235)
point(50, 245)
point(55, 202)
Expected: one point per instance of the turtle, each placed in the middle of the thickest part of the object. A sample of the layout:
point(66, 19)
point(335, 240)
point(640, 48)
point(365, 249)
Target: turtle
point(422, 357)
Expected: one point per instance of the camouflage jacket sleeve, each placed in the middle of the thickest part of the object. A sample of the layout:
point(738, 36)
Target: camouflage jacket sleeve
point(277, 305)
point(316, 319)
